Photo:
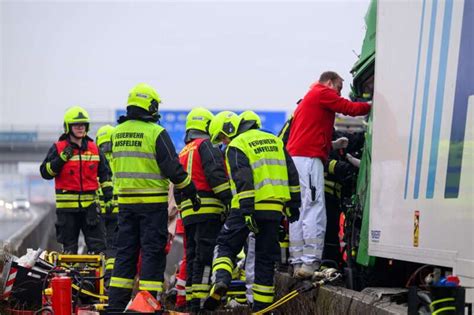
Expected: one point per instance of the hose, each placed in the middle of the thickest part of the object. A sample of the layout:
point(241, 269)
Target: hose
point(86, 292)
point(329, 277)
point(44, 310)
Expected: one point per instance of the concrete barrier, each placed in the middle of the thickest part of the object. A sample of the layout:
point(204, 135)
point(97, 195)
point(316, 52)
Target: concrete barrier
point(39, 232)
point(331, 299)
point(41, 235)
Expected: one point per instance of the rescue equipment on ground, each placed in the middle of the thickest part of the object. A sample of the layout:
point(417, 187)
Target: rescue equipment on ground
point(319, 279)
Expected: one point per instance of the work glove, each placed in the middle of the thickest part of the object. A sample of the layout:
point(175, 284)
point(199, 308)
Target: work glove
point(282, 232)
point(92, 215)
point(354, 161)
point(109, 207)
point(250, 221)
point(340, 143)
point(293, 214)
point(67, 153)
point(190, 192)
point(196, 201)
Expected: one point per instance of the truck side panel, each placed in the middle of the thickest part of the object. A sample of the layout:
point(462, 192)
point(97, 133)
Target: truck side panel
point(424, 92)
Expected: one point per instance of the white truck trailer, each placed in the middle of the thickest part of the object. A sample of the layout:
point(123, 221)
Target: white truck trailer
point(421, 162)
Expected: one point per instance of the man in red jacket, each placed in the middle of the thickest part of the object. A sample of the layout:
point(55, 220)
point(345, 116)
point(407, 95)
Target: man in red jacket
point(309, 143)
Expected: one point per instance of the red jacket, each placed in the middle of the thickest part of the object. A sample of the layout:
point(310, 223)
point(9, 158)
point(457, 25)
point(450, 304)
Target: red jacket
point(191, 151)
point(80, 172)
point(313, 121)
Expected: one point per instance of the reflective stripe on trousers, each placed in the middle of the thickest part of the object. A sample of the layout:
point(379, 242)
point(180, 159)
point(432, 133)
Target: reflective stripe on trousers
point(122, 283)
point(307, 234)
point(250, 266)
point(263, 293)
point(149, 285)
point(109, 264)
point(189, 293)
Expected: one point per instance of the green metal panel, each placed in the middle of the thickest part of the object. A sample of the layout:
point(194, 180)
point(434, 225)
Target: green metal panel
point(365, 66)
point(363, 196)
point(361, 71)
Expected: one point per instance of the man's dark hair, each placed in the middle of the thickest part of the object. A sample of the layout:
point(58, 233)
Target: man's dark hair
point(329, 76)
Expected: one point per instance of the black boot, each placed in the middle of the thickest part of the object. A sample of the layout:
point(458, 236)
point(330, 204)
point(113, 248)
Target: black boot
point(213, 301)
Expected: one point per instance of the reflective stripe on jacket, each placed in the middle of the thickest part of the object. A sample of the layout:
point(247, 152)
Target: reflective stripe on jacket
point(191, 161)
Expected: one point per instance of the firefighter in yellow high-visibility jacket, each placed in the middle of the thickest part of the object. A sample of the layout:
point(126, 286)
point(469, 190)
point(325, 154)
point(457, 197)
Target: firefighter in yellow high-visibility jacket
point(265, 184)
point(109, 211)
point(145, 161)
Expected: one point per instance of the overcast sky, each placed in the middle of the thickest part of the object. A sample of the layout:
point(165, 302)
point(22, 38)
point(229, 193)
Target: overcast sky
point(233, 55)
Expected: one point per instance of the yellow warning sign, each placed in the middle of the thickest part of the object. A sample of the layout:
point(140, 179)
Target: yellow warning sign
point(416, 228)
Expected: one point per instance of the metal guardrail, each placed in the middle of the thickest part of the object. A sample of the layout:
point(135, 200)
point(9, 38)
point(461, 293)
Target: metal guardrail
point(31, 143)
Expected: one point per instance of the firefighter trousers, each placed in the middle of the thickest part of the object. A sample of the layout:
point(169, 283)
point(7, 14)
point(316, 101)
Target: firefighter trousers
point(70, 224)
point(230, 241)
point(139, 232)
point(200, 243)
point(332, 250)
point(110, 222)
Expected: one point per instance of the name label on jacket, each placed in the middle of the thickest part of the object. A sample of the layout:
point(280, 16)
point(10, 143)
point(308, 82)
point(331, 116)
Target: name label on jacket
point(263, 145)
point(127, 136)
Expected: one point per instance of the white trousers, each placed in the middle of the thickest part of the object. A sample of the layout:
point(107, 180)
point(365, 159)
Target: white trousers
point(307, 234)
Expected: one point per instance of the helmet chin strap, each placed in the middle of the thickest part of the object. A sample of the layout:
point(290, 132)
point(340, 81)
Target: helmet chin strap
point(156, 117)
point(153, 109)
